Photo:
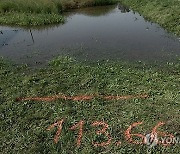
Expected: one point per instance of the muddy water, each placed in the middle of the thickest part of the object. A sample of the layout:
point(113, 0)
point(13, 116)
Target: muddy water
point(111, 32)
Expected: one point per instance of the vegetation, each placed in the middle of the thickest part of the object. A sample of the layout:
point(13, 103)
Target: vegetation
point(30, 19)
point(40, 12)
point(164, 12)
point(23, 124)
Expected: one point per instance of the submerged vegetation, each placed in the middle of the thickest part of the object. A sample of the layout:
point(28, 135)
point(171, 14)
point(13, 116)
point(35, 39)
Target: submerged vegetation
point(24, 123)
point(164, 12)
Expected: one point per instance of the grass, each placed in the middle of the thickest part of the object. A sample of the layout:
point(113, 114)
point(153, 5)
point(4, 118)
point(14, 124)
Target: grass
point(164, 12)
point(41, 12)
point(30, 19)
point(23, 124)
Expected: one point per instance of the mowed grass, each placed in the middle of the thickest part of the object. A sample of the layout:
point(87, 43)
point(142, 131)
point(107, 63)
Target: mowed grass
point(164, 12)
point(41, 12)
point(23, 124)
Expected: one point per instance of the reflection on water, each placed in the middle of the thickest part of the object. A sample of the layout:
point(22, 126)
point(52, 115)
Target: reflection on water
point(93, 11)
point(110, 32)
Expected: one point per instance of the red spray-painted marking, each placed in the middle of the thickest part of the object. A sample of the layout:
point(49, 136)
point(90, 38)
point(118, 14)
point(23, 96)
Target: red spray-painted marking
point(162, 134)
point(129, 136)
point(80, 97)
point(58, 133)
point(80, 124)
point(102, 131)
point(154, 134)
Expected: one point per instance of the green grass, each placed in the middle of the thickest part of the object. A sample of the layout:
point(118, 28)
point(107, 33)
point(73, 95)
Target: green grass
point(23, 124)
point(41, 12)
point(164, 12)
point(30, 19)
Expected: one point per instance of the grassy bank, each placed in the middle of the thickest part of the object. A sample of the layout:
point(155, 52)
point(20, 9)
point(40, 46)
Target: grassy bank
point(30, 19)
point(41, 12)
point(23, 124)
point(164, 12)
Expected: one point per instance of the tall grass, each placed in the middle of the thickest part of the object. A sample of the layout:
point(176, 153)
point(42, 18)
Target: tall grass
point(31, 6)
point(47, 6)
point(30, 12)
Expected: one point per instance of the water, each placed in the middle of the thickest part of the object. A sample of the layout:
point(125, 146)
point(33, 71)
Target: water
point(110, 32)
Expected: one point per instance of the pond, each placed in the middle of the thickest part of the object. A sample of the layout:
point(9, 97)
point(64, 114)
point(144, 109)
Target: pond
point(97, 33)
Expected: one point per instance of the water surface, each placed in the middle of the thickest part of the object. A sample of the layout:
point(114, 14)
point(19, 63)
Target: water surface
point(110, 32)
